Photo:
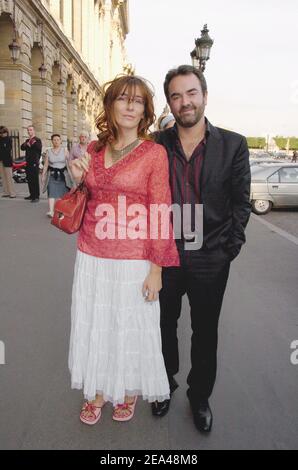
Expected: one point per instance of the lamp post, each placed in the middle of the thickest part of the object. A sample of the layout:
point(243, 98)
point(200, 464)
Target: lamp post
point(42, 69)
point(43, 72)
point(73, 94)
point(201, 52)
point(61, 82)
point(61, 85)
point(14, 47)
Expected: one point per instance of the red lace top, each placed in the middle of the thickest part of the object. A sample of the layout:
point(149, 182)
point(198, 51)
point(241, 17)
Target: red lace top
point(118, 222)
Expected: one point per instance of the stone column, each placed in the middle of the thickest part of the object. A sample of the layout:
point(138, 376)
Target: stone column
point(77, 21)
point(85, 31)
point(82, 116)
point(16, 110)
point(42, 107)
point(68, 18)
point(72, 120)
point(60, 115)
point(97, 47)
point(106, 41)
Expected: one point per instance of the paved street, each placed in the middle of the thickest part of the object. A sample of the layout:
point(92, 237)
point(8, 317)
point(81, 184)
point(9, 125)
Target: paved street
point(286, 219)
point(255, 401)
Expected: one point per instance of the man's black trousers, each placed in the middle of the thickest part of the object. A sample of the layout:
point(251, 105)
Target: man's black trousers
point(32, 173)
point(203, 277)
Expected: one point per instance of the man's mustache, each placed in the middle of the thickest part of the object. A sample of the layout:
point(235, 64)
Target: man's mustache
point(186, 108)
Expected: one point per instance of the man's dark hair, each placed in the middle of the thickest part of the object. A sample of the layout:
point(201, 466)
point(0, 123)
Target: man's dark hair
point(55, 135)
point(4, 130)
point(184, 70)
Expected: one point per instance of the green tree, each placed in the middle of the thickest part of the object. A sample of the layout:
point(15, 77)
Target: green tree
point(293, 143)
point(256, 142)
point(281, 142)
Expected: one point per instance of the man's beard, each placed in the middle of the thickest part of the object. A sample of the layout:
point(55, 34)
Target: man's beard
point(190, 120)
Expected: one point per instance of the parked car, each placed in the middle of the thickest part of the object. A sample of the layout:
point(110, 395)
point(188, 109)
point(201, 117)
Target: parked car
point(260, 161)
point(274, 185)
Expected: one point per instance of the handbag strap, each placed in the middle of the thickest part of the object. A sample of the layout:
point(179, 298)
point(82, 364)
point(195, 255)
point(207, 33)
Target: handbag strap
point(82, 183)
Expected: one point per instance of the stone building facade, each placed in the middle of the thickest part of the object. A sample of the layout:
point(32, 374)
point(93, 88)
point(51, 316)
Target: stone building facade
point(80, 44)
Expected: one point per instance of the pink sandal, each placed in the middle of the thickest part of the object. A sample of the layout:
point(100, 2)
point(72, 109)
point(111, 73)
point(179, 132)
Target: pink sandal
point(130, 407)
point(95, 413)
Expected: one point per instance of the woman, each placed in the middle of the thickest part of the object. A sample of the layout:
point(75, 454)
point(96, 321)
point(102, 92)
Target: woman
point(166, 122)
point(55, 176)
point(6, 163)
point(79, 150)
point(115, 345)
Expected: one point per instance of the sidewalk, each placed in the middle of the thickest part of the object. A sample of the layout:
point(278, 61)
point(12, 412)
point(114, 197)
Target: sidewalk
point(22, 191)
point(255, 400)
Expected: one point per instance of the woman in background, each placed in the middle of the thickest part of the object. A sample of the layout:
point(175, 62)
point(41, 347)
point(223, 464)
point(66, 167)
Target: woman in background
point(55, 176)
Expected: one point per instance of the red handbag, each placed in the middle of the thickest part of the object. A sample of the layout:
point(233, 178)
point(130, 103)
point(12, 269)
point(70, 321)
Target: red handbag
point(70, 209)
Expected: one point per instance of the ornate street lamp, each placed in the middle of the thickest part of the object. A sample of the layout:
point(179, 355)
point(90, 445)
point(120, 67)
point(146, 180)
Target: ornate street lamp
point(15, 50)
point(201, 53)
point(14, 47)
point(73, 94)
point(61, 83)
point(42, 69)
point(82, 104)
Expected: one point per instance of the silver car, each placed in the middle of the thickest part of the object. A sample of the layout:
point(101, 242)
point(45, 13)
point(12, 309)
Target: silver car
point(274, 185)
point(260, 161)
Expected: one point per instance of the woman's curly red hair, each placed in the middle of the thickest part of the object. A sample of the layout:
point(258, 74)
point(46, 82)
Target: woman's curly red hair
point(106, 122)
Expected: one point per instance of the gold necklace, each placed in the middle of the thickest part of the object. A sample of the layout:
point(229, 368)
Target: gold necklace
point(118, 154)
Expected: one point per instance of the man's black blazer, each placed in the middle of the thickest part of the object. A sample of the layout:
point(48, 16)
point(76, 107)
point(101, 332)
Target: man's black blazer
point(224, 187)
point(32, 153)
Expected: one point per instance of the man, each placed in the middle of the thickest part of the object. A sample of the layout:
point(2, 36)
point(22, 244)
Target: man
point(6, 163)
point(294, 157)
point(32, 148)
point(208, 166)
point(80, 149)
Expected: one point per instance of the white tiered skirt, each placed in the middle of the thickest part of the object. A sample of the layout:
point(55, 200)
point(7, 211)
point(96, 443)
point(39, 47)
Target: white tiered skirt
point(115, 342)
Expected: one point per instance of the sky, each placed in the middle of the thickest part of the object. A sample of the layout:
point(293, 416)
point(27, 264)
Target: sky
point(252, 73)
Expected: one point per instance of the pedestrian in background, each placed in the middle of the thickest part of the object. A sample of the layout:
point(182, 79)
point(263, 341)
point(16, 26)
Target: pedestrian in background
point(55, 176)
point(79, 150)
point(167, 122)
point(32, 148)
point(6, 163)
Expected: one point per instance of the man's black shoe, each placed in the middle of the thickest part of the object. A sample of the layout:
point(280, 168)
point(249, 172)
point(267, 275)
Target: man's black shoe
point(202, 415)
point(35, 200)
point(28, 198)
point(160, 408)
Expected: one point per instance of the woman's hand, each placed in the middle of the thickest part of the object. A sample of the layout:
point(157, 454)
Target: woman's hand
point(152, 284)
point(79, 166)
